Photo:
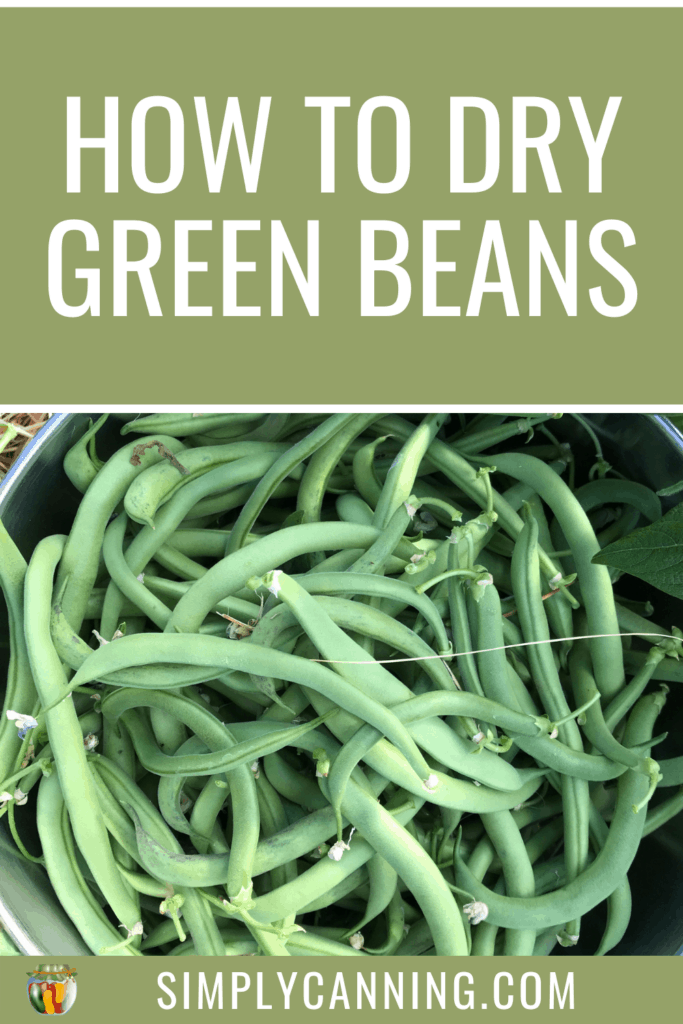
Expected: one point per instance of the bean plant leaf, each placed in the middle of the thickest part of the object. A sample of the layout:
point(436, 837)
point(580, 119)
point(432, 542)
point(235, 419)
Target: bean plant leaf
point(654, 553)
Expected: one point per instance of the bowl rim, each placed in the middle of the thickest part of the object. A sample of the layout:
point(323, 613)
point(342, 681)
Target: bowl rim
point(16, 471)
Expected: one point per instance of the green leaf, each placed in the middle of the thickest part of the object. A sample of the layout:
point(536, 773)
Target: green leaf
point(653, 553)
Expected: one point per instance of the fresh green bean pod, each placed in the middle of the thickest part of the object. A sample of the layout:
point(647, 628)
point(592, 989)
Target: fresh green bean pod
point(65, 877)
point(65, 735)
point(187, 424)
point(78, 466)
point(277, 473)
point(596, 586)
point(20, 691)
point(603, 875)
point(79, 565)
point(398, 485)
point(156, 485)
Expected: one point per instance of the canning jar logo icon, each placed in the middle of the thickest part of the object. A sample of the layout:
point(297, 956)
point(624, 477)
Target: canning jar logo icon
point(51, 988)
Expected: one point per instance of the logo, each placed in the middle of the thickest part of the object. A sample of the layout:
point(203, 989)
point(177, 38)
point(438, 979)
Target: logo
point(51, 988)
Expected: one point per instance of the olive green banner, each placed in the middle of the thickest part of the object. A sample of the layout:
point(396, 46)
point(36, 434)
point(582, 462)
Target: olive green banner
point(429, 207)
point(110, 989)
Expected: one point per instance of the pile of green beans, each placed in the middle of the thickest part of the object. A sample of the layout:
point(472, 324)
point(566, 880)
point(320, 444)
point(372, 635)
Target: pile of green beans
point(299, 684)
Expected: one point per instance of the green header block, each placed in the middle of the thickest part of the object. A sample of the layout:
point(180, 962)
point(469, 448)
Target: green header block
point(363, 206)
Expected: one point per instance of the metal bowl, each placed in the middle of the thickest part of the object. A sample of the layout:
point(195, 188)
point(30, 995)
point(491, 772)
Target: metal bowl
point(36, 500)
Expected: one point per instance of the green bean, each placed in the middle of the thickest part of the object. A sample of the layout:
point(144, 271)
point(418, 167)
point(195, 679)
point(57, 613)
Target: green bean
point(273, 820)
point(481, 858)
point(180, 565)
point(596, 587)
point(483, 439)
point(303, 944)
point(209, 869)
point(595, 727)
point(351, 508)
point(168, 731)
point(266, 428)
point(165, 932)
point(427, 705)
point(460, 624)
point(543, 840)
point(124, 571)
point(558, 611)
point(186, 424)
point(198, 543)
point(374, 680)
point(452, 793)
point(619, 901)
point(663, 812)
point(649, 669)
point(395, 915)
point(338, 893)
point(289, 783)
point(208, 509)
point(65, 734)
point(66, 879)
point(78, 466)
point(171, 786)
point(603, 875)
point(619, 492)
point(364, 474)
point(665, 671)
point(231, 574)
point(216, 736)
point(74, 652)
point(333, 642)
point(347, 696)
point(323, 462)
point(244, 802)
point(485, 934)
point(401, 476)
point(352, 583)
point(273, 631)
point(155, 486)
point(205, 832)
point(282, 468)
point(375, 559)
point(271, 737)
point(173, 590)
point(575, 798)
point(20, 692)
point(672, 771)
point(518, 873)
point(631, 622)
point(79, 564)
point(416, 869)
point(199, 921)
point(625, 523)
point(418, 940)
point(496, 676)
point(117, 746)
point(461, 473)
point(295, 840)
point(383, 890)
point(231, 947)
point(96, 600)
